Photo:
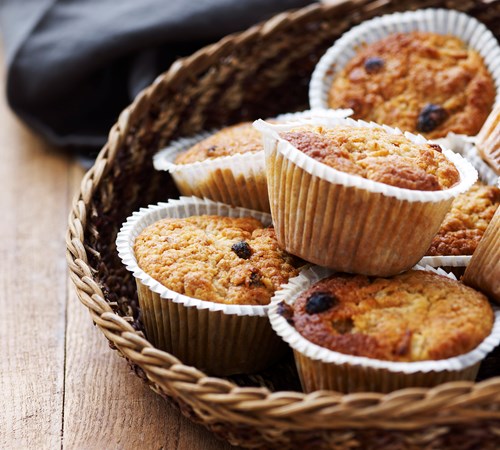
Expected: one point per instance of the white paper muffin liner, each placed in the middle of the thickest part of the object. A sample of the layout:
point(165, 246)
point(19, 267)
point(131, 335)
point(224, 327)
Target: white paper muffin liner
point(312, 114)
point(321, 368)
point(464, 145)
point(441, 21)
point(238, 180)
point(347, 222)
point(446, 261)
point(488, 139)
point(221, 339)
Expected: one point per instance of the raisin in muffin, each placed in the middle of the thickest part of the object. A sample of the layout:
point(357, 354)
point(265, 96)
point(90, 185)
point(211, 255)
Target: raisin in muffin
point(419, 82)
point(217, 259)
point(414, 316)
point(464, 226)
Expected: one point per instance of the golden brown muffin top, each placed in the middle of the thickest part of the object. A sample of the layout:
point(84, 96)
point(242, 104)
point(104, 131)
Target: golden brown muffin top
point(240, 138)
point(213, 258)
point(419, 82)
point(413, 316)
point(464, 225)
point(374, 154)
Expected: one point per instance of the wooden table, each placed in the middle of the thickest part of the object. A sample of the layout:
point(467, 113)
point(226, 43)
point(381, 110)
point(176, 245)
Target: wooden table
point(61, 386)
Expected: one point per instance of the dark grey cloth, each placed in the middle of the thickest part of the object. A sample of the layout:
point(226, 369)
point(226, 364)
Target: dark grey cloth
point(73, 65)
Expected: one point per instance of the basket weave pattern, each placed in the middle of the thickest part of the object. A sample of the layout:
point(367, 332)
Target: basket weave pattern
point(258, 73)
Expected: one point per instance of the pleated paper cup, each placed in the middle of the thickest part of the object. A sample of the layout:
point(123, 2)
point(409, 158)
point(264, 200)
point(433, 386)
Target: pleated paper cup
point(321, 368)
point(346, 222)
point(464, 145)
point(238, 180)
point(217, 338)
point(488, 140)
point(483, 271)
point(441, 21)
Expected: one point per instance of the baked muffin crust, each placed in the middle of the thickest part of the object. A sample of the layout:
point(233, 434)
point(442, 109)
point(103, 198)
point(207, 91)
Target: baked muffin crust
point(240, 138)
point(464, 225)
point(213, 258)
point(413, 316)
point(419, 82)
point(374, 154)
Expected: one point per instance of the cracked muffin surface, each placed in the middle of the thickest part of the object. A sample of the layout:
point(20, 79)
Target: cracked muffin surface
point(420, 82)
point(218, 259)
point(413, 316)
point(374, 154)
point(240, 138)
point(464, 225)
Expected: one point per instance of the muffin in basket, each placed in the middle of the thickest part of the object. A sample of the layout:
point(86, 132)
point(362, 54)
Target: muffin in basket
point(205, 273)
point(358, 197)
point(465, 224)
point(226, 165)
point(420, 82)
point(429, 72)
point(354, 333)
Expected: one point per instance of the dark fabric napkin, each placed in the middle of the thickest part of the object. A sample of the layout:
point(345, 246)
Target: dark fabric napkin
point(73, 65)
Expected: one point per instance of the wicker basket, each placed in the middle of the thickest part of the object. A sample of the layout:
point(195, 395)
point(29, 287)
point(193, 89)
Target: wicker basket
point(258, 73)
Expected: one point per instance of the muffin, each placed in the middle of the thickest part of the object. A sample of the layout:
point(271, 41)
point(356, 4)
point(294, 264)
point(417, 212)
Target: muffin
point(488, 140)
point(354, 332)
point(205, 274)
point(429, 71)
point(409, 317)
point(419, 82)
point(226, 165)
point(483, 271)
point(358, 197)
point(464, 225)
point(240, 138)
point(230, 260)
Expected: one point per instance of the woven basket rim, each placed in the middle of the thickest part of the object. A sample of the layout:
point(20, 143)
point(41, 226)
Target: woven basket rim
point(449, 403)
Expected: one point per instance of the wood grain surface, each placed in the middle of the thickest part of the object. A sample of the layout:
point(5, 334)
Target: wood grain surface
point(61, 386)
